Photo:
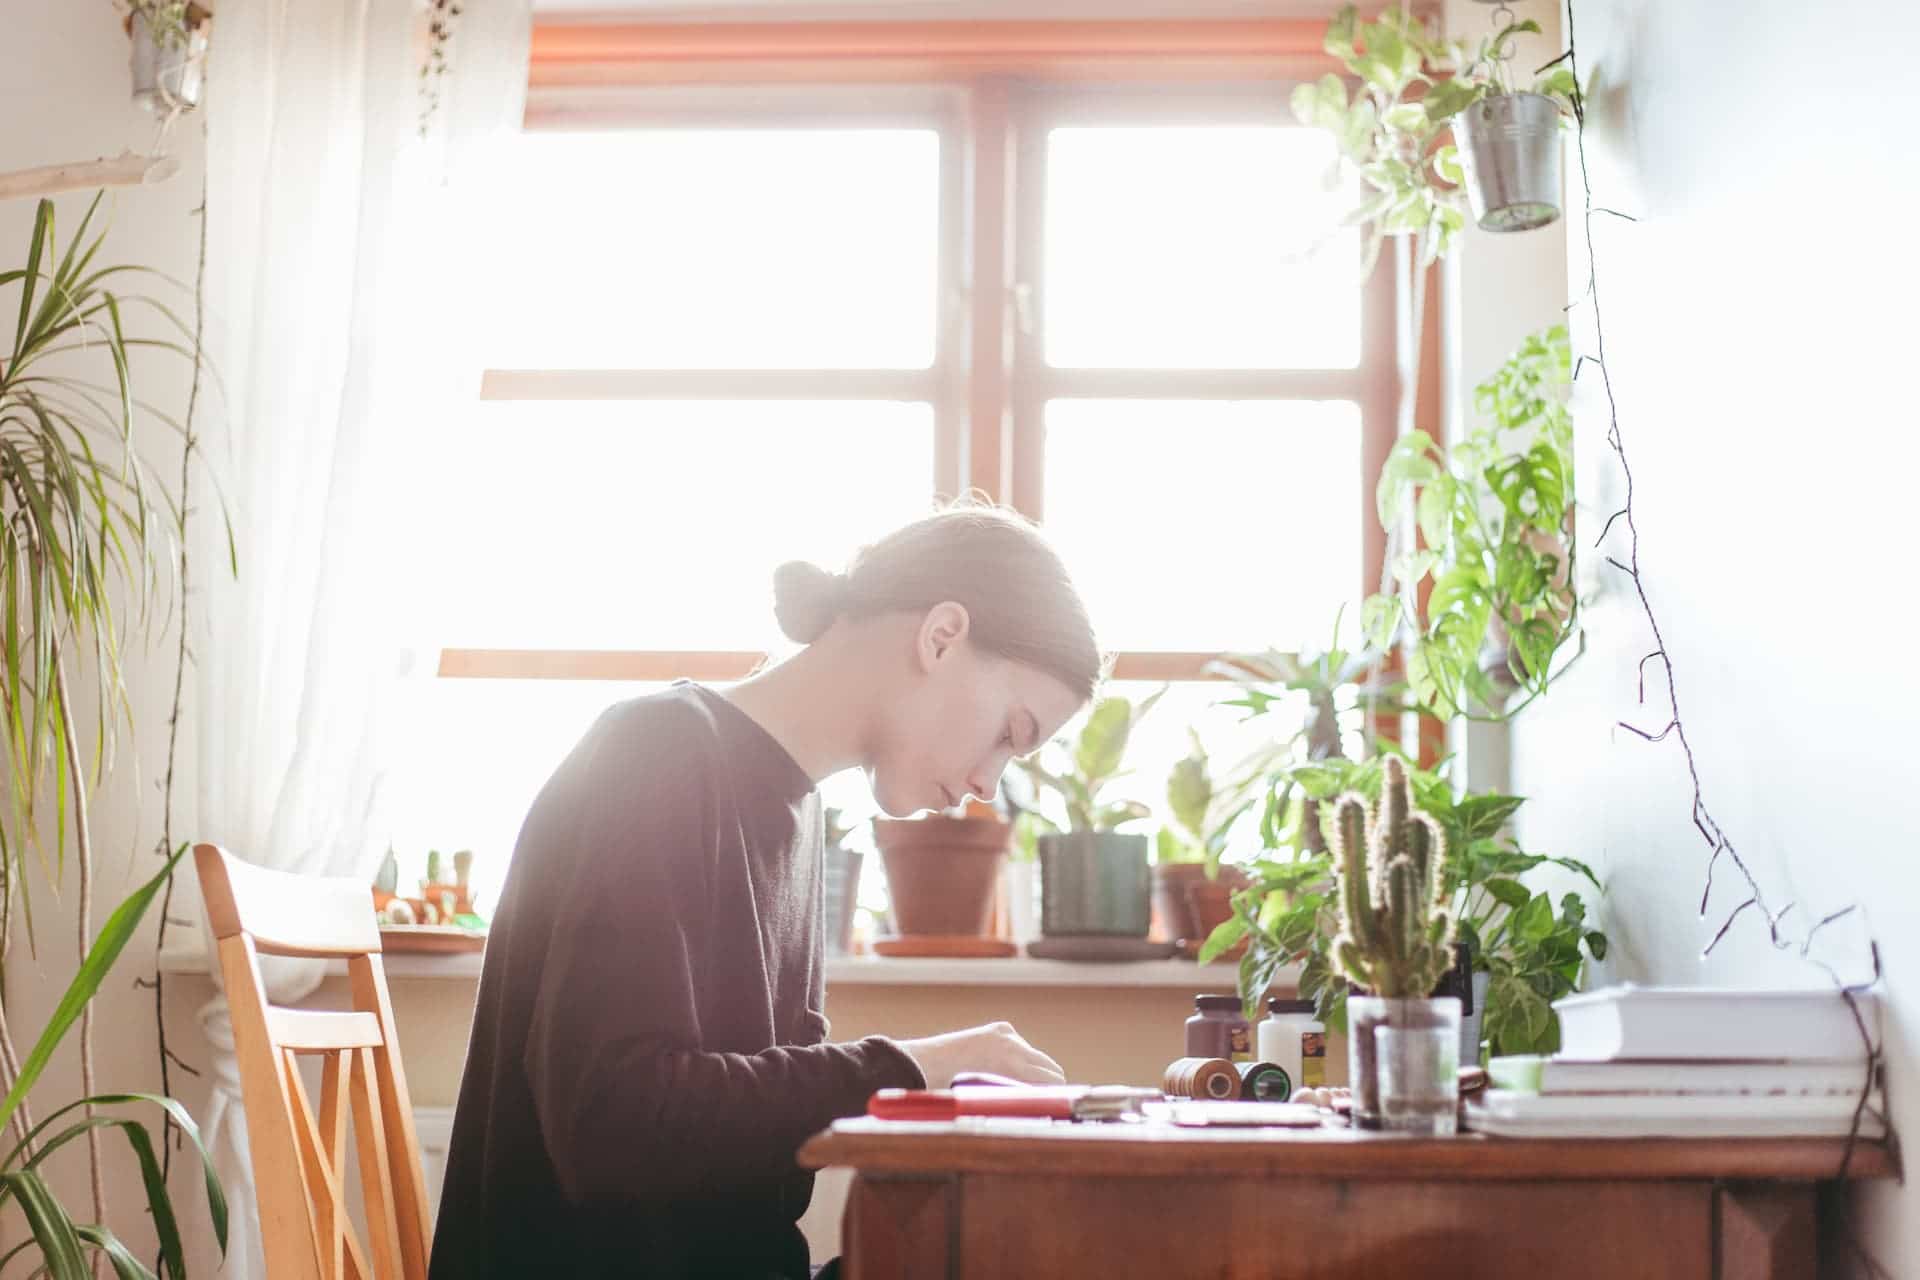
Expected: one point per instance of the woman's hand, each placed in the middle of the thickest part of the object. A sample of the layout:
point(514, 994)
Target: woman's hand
point(995, 1048)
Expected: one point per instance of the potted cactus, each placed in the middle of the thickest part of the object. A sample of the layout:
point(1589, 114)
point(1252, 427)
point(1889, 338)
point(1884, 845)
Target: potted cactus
point(1094, 878)
point(1396, 944)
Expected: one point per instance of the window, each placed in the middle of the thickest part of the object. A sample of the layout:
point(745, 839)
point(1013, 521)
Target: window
point(776, 322)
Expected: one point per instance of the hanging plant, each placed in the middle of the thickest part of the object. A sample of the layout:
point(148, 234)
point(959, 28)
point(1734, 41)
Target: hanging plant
point(168, 59)
point(1393, 125)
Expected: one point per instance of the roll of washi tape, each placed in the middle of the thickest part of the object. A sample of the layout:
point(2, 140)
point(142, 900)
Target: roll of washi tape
point(1202, 1078)
point(1264, 1082)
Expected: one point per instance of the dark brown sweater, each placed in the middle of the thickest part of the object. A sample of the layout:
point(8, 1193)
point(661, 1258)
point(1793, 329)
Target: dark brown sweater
point(648, 1051)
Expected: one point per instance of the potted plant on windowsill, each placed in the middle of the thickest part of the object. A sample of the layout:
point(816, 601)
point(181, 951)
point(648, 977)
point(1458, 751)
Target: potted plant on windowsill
point(1192, 889)
point(1094, 878)
point(942, 870)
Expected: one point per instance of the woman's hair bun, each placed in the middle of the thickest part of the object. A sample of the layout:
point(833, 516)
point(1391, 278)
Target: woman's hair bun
point(806, 600)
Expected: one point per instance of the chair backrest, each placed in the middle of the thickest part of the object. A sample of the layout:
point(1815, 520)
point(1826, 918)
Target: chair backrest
point(299, 1157)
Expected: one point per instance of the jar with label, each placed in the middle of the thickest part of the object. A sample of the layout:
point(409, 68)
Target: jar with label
point(1295, 1041)
point(1218, 1029)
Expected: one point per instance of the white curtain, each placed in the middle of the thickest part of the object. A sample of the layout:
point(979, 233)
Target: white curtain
point(338, 257)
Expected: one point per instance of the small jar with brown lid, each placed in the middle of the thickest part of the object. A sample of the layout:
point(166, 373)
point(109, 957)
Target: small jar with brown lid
point(1218, 1029)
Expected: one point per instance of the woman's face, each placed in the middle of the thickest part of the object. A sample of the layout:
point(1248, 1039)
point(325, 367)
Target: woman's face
point(963, 715)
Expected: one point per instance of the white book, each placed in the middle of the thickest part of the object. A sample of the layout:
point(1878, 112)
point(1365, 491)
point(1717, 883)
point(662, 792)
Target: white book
point(1562, 1075)
point(1504, 1113)
point(1718, 1024)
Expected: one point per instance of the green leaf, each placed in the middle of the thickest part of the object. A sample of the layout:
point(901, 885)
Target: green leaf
point(1190, 792)
point(1414, 565)
point(125, 1265)
point(1435, 512)
point(1518, 1019)
point(1447, 98)
point(1379, 619)
point(114, 936)
point(1534, 920)
point(1103, 740)
point(52, 1228)
point(1223, 939)
point(1597, 944)
point(1405, 117)
point(1511, 892)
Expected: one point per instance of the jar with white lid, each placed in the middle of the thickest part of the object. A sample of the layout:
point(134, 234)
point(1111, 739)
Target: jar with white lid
point(1293, 1039)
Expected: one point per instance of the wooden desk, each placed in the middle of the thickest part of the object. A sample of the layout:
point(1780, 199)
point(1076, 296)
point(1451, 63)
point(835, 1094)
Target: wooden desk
point(1008, 1199)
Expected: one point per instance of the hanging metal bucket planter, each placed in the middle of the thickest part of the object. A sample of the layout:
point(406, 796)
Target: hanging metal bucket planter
point(168, 70)
point(1510, 148)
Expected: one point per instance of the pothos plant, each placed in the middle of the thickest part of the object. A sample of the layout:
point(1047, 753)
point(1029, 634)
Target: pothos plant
point(1532, 950)
point(1392, 124)
point(1495, 512)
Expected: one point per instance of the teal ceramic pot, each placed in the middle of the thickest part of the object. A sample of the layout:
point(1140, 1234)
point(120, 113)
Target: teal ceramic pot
point(1095, 882)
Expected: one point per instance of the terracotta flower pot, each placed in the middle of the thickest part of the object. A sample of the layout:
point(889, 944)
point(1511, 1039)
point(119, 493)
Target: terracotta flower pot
point(1191, 905)
point(1170, 881)
point(942, 871)
point(1210, 902)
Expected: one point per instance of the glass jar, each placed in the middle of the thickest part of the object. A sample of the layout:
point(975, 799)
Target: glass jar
point(1294, 1040)
point(1404, 1063)
point(1218, 1029)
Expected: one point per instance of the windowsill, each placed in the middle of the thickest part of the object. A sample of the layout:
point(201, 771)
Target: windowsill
point(1019, 971)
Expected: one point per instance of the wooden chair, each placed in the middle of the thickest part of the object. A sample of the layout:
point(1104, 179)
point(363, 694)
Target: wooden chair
point(299, 1158)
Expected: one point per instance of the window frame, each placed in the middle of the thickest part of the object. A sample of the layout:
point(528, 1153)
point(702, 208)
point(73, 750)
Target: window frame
point(990, 92)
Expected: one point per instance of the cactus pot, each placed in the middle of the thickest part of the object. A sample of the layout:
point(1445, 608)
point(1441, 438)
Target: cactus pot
point(942, 872)
point(1407, 1079)
point(1095, 882)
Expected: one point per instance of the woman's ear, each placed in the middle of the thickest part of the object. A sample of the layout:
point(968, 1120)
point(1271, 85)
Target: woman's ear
point(941, 631)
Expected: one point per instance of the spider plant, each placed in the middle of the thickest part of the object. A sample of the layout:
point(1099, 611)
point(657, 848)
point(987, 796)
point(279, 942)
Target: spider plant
point(62, 1243)
point(85, 532)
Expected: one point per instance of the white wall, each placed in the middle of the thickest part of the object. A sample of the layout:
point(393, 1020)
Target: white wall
point(1758, 327)
point(64, 97)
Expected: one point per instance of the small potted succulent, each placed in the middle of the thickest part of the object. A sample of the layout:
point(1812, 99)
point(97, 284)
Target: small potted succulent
point(1094, 878)
point(1396, 944)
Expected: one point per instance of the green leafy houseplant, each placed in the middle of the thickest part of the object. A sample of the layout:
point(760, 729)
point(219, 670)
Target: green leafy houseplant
point(1531, 952)
point(1078, 771)
point(61, 1242)
point(1495, 512)
point(84, 528)
point(1094, 878)
point(1392, 125)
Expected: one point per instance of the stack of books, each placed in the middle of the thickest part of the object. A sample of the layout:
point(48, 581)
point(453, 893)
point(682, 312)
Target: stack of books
point(1691, 1062)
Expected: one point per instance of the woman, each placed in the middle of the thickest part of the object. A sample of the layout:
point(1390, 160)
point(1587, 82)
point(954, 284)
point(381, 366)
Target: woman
point(648, 1050)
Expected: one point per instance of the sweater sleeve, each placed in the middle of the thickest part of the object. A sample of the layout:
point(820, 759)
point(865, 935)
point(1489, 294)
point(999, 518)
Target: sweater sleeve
point(629, 1104)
